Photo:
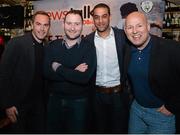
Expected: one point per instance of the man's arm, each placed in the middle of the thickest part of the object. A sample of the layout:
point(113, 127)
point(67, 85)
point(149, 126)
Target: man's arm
point(49, 73)
point(83, 72)
point(8, 64)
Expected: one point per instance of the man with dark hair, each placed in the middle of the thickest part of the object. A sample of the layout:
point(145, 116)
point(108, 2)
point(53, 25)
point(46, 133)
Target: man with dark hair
point(69, 66)
point(127, 8)
point(21, 79)
point(110, 110)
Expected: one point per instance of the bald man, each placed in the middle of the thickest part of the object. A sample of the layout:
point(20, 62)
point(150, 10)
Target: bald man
point(152, 68)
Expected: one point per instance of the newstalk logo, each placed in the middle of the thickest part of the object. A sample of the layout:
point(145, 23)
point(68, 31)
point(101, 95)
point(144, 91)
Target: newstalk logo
point(59, 15)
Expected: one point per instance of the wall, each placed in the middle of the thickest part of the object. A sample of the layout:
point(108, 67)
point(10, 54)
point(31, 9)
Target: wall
point(58, 8)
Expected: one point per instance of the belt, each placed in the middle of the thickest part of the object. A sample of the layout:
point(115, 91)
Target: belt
point(109, 90)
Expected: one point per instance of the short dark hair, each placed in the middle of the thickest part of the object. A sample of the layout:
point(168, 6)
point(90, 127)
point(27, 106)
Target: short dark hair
point(101, 5)
point(40, 13)
point(76, 12)
point(127, 8)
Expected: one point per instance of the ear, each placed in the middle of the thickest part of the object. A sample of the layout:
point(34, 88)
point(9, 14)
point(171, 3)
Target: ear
point(148, 26)
point(110, 17)
point(124, 29)
point(63, 23)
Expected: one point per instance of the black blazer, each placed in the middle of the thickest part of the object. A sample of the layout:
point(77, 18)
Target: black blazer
point(120, 42)
point(164, 71)
point(16, 70)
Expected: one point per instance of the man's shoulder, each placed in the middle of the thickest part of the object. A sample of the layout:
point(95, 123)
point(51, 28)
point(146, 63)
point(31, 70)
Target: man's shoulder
point(19, 40)
point(55, 42)
point(117, 30)
point(90, 36)
point(165, 44)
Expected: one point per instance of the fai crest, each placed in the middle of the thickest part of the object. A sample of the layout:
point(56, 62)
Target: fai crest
point(147, 6)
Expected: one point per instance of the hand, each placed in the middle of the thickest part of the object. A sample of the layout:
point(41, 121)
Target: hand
point(12, 113)
point(55, 65)
point(82, 67)
point(163, 110)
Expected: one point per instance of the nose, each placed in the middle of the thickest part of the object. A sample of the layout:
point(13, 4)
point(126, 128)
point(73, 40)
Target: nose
point(134, 30)
point(73, 27)
point(42, 27)
point(100, 19)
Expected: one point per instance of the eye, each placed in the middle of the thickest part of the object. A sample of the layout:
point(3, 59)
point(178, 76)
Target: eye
point(37, 23)
point(46, 25)
point(129, 27)
point(105, 16)
point(96, 17)
point(68, 23)
point(140, 25)
point(77, 23)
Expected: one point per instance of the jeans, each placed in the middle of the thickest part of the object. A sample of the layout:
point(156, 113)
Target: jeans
point(149, 120)
point(66, 115)
point(111, 115)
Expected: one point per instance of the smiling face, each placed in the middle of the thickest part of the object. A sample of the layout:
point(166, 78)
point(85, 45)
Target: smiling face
point(101, 19)
point(73, 26)
point(137, 29)
point(41, 25)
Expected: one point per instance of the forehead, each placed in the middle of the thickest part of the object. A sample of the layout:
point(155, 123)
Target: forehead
point(100, 11)
point(135, 19)
point(41, 18)
point(73, 17)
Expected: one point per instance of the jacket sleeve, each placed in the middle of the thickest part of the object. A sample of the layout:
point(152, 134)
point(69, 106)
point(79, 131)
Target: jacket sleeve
point(7, 68)
point(48, 71)
point(173, 102)
point(75, 76)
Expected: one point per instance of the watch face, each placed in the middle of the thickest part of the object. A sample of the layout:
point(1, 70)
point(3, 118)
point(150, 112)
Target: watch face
point(147, 6)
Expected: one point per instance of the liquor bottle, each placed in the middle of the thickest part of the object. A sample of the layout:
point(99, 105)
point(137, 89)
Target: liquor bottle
point(172, 20)
point(168, 20)
point(167, 6)
point(164, 20)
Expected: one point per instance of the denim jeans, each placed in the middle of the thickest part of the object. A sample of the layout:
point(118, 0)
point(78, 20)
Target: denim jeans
point(149, 120)
point(66, 115)
point(111, 114)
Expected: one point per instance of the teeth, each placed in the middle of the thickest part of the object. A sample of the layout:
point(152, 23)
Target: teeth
point(136, 36)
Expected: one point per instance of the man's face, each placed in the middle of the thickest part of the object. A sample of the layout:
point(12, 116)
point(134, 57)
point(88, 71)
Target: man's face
point(41, 27)
point(101, 19)
point(73, 26)
point(137, 28)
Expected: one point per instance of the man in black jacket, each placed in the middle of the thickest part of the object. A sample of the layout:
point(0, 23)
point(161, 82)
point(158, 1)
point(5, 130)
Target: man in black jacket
point(152, 66)
point(109, 107)
point(21, 81)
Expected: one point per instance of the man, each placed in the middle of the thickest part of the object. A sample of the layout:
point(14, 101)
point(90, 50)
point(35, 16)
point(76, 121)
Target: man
point(69, 66)
point(21, 81)
point(110, 110)
point(153, 69)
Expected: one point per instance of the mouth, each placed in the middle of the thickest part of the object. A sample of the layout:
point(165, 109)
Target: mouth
point(72, 32)
point(136, 37)
point(41, 32)
point(101, 25)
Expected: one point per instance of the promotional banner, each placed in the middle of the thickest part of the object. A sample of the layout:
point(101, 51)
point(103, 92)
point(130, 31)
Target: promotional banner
point(58, 8)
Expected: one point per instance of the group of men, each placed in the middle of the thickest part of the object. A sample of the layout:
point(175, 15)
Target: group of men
point(60, 87)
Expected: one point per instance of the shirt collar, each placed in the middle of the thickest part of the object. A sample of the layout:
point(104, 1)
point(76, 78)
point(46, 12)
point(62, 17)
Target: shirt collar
point(111, 34)
point(148, 46)
point(66, 44)
point(36, 42)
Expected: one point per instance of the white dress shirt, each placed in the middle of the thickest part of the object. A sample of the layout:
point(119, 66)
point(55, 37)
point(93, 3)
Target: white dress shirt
point(108, 73)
